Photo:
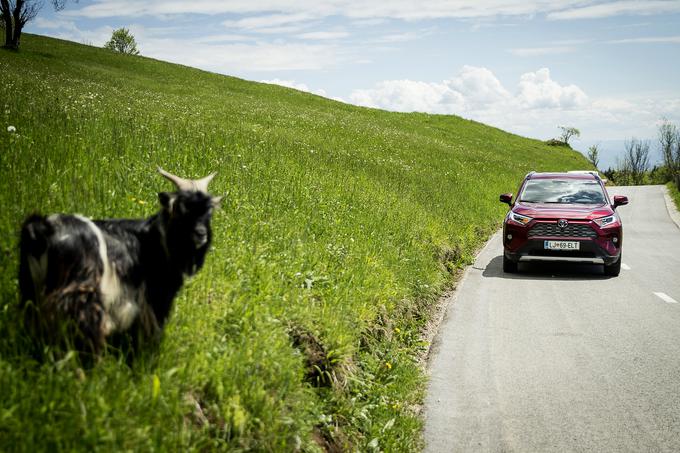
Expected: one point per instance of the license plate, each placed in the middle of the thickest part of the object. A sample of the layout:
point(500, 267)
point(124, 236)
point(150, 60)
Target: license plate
point(561, 245)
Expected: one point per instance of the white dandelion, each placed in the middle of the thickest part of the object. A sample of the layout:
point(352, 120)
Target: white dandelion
point(11, 129)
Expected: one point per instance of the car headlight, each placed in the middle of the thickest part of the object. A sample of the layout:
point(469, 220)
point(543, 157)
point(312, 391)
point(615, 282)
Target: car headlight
point(604, 222)
point(522, 219)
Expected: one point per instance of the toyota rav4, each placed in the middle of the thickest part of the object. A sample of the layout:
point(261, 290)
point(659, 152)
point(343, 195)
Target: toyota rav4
point(563, 217)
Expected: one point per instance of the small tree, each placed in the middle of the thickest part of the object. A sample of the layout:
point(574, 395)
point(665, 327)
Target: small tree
point(636, 159)
point(594, 155)
point(568, 133)
point(122, 41)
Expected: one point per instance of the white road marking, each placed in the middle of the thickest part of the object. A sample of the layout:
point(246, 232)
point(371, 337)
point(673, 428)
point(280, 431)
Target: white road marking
point(625, 267)
point(666, 298)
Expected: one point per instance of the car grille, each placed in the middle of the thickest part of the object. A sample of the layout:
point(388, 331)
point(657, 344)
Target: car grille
point(573, 230)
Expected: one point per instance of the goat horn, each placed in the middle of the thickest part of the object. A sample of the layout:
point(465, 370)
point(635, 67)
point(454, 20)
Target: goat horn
point(202, 184)
point(192, 185)
point(181, 183)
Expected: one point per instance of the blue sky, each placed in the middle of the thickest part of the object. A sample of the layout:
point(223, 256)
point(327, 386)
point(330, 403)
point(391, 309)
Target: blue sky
point(609, 68)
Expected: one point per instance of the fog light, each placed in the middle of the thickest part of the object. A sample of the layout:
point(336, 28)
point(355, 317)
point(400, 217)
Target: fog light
point(615, 240)
point(509, 236)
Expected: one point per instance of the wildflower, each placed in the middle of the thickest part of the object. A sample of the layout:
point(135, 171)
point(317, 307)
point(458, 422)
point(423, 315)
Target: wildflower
point(11, 129)
point(388, 365)
point(155, 387)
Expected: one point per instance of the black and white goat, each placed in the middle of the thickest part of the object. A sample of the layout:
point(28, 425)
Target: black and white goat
point(117, 276)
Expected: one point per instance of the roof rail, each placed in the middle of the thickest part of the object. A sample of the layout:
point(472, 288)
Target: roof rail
point(594, 173)
point(530, 173)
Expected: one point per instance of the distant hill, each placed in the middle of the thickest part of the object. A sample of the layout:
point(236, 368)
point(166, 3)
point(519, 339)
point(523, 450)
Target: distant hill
point(340, 228)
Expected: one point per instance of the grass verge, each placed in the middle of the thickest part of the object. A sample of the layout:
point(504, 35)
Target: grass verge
point(674, 193)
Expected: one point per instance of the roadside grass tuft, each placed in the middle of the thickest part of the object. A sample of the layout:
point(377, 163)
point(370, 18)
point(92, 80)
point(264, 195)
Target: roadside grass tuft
point(340, 228)
point(674, 193)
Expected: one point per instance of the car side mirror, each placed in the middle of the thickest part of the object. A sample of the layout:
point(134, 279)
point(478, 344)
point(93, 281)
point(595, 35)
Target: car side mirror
point(620, 200)
point(506, 198)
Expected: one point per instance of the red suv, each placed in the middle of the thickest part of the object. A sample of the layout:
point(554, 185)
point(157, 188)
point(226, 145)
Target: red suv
point(563, 217)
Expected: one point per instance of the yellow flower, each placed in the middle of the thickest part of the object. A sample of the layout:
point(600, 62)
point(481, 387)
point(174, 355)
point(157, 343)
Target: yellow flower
point(388, 365)
point(155, 387)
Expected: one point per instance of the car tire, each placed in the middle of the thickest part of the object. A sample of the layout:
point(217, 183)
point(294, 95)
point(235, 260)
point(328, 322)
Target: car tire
point(614, 269)
point(509, 266)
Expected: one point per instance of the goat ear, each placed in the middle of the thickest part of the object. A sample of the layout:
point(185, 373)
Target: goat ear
point(167, 200)
point(216, 201)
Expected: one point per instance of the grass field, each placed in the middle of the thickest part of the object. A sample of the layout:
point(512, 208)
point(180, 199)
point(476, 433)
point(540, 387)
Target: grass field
point(340, 228)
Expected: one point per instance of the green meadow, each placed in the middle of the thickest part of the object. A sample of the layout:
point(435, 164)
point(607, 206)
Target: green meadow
point(340, 228)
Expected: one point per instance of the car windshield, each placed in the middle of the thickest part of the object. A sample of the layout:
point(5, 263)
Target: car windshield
point(563, 191)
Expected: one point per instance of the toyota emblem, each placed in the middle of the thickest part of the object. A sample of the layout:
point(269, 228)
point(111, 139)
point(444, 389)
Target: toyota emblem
point(562, 223)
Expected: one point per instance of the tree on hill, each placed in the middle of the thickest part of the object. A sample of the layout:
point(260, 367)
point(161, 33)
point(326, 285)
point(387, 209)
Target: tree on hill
point(122, 41)
point(594, 155)
point(568, 133)
point(17, 13)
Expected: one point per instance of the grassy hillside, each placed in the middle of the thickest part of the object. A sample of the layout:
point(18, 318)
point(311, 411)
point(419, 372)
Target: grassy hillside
point(339, 230)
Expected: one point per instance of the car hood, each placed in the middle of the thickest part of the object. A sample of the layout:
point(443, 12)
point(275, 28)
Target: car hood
point(562, 211)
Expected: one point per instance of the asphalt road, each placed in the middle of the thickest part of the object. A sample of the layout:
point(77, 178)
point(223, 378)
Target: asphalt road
point(561, 358)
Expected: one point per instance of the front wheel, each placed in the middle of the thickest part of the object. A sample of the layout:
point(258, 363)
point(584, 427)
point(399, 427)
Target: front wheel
point(509, 266)
point(613, 270)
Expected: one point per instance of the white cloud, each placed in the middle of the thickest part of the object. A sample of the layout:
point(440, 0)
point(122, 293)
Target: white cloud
point(409, 96)
point(473, 88)
point(538, 90)
point(478, 86)
point(646, 40)
point(267, 21)
point(477, 93)
point(322, 35)
point(369, 22)
point(403, 37)
point(224, 37)
point(54, 24)
point(540, 51)
point(616, 8)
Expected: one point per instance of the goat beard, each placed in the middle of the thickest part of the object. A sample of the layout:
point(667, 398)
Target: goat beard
point(194, 260)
